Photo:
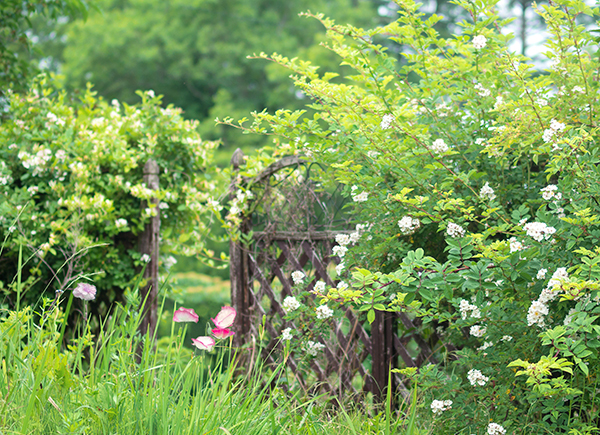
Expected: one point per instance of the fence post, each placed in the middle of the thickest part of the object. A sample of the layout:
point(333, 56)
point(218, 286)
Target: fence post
point(149, 245)
point(238, 266)
point(383, 354)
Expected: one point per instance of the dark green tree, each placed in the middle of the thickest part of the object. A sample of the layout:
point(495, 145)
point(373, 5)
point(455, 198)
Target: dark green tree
point(194, 52)
point(16, 35)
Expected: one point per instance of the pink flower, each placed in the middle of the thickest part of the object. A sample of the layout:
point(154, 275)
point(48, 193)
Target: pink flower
point(222, 333)
point(204, 343)
point(84, 291)
point(185, 315)
point(225, 318)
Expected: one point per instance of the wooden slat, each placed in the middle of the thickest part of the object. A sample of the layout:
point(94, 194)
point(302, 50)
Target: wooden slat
point(362, 334)
point(403, 353)
point(297, 265)
point(274, 338)
point(266, 287)
point(334, 366)
point(411, 326)
point(287, 287)
point(316, 262)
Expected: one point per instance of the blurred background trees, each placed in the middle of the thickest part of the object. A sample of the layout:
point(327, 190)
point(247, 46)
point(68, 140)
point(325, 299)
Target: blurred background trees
point(17, 37)
point(194, 52)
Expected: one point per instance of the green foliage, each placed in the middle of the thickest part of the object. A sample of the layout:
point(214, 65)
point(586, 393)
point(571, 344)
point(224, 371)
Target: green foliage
point(71, 189)
point(194, 53)
point(474, 181)
point(15, 44)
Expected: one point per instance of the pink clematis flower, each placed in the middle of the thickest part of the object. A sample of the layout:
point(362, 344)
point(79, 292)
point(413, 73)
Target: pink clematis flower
point(185, 315)
point(204, 343)
point(225, 318)
point(222, 333)
point(84, 291)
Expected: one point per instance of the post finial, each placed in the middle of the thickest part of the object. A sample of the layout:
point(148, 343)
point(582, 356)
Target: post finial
point(237, 159)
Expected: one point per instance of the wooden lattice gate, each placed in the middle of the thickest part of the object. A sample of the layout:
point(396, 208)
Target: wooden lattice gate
point(290, 224)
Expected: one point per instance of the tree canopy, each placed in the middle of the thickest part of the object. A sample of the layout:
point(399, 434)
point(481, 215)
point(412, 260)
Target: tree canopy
point(195, 52)
point(15, 66)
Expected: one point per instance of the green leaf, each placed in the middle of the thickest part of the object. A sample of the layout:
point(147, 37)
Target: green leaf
point(425, 294)
point(371, 316)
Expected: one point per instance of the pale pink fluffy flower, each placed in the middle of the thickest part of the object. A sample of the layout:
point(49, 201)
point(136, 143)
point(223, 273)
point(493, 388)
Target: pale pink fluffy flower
point(85, 291)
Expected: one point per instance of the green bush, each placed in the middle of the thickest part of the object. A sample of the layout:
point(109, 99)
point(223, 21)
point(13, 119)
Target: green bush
point(474, 177)
point(71, 189)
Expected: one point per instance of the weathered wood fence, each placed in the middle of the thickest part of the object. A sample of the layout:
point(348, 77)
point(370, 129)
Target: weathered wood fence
point(289, 239)
point(149, 245)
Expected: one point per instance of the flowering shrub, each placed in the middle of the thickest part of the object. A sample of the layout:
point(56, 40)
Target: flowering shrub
point(475, 179)
point(71, 188)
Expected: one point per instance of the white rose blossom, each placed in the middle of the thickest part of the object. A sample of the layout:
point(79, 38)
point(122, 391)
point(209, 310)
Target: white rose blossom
point(408, 225)
point(298, 277)
point(479, 42)
point(312, 348)
point(555, 127)
point(342, 239)
point(324, 312)
point(542, 274)
point(515, 245)
point(286, 334)
point(455, 231)
point(386, 121)
point(485, 345)
point(558, 277)
point(481, 91)
point(361, 197)
point(339, 251)
point(478, 331)
point(439, 146)
point(537, 311)
point(551, 192)
point(487, 192)
point(476, 378)
point(465, 307)
point(439, 406)
point(319, 287)
point(495, 429)
point(539, 231)
point(290, 303)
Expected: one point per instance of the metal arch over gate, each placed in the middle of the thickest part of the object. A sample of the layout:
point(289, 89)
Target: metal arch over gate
point(291, 225)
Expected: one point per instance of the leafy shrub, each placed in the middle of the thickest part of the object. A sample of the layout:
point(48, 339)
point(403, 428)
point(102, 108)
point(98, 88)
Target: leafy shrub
point(475, 181)
point(72, 190)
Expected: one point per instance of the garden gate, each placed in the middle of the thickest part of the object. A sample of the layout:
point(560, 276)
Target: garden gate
point(289, 223)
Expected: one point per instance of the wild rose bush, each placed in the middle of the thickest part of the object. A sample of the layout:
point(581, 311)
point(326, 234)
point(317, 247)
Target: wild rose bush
point(71, 188)
point(475, 176)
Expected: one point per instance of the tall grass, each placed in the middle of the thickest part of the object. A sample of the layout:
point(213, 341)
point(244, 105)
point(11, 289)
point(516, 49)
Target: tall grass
point(104, 385)
point(98, 387)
